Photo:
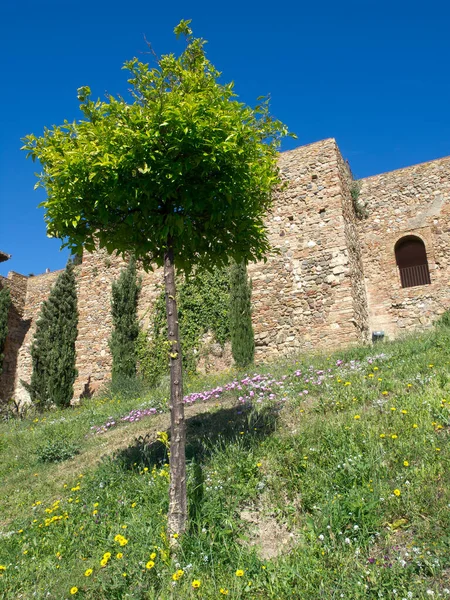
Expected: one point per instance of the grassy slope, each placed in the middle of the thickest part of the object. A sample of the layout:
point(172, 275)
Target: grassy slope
point(342, 466)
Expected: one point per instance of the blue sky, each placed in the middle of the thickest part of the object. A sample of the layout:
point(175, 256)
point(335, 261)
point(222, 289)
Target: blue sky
point(374, 75)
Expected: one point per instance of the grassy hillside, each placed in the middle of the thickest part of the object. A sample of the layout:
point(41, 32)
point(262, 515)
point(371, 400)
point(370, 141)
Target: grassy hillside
point(321, 477)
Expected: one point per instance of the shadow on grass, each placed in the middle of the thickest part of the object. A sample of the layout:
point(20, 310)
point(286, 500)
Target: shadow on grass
point(204, 433)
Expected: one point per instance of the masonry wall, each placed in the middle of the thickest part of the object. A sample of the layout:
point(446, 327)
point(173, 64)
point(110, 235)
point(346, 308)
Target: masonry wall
point(305, 298)
point(94, 282)
point(411, 201)
point(332, 281)
point(37, 290)
point(98, 271)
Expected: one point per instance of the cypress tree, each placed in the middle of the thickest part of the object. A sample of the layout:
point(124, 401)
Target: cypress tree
point(5, 302)
point(241, 328)
point(53, 348)
point(125, 293)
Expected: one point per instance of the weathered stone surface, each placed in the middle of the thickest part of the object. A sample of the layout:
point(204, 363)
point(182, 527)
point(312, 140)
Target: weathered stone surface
point(412, 201)
point(332, 282)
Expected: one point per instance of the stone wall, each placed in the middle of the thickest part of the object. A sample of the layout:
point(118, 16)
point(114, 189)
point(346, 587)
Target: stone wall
point(411, 201)
point(94, 281)
point(303, 298)
point(97, 273)
point(17, 328)
point(359, 296)
point(332, 280)
point(37, 290)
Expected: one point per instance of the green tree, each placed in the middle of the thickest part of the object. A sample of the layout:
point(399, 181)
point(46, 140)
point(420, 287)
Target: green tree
point(241, 328)
point(5, 303)
point(181, 176)
point(125, 293)
point(53, 348)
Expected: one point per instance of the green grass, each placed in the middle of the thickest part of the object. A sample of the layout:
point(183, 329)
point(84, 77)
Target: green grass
point(346, 482)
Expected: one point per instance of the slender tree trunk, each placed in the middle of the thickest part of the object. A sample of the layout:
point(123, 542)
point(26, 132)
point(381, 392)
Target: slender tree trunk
point(177, 491)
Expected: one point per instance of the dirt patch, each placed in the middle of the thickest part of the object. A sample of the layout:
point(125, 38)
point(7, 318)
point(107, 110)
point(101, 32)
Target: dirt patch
point(270, 537)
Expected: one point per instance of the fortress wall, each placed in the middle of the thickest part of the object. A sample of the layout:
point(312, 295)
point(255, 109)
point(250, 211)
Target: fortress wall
point(17, 285)
point(359, 296)
point(37, 290)
point(94, 360)
point(414, 200)
point(303, 298)
point(333, 280)
point(94, 282)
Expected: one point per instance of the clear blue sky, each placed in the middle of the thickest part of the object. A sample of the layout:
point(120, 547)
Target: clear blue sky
point(374, 75)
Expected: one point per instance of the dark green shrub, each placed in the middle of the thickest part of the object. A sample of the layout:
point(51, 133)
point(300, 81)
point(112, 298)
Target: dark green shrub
point(125, 293)
point(241, 328)
point(124, 388)
point(53, 348)
point(5, 303)
point(57, 450)
point(444, 320)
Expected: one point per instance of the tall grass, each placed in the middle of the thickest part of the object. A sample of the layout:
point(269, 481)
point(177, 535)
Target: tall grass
point(336, 467)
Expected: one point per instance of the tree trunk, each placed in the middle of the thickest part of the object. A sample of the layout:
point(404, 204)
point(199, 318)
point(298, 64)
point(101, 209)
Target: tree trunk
point(177, 516)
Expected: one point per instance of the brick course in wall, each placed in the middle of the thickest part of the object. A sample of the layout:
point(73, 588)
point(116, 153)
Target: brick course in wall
point(332, 280)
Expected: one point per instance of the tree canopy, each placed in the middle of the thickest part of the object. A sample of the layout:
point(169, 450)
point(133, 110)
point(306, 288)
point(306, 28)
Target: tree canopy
point(185, 159)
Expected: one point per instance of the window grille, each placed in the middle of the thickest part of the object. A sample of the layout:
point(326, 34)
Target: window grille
point(412, 262)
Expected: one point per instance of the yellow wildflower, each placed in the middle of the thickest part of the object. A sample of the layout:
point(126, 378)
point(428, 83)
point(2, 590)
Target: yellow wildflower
point(239, 573)
point(405, 463)
point(150, 565)
point(73, 590)
point(88, 572)
point(196, 584)
point(356, 417)
point(178, 574)
point(224, 591)
point(397, 492)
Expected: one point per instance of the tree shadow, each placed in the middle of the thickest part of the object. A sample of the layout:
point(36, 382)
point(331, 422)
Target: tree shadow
point(17, 330)
point(204, 433)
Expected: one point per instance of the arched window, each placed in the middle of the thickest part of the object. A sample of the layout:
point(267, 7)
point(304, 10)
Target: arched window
point(412, 262)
